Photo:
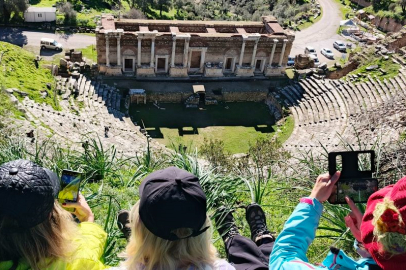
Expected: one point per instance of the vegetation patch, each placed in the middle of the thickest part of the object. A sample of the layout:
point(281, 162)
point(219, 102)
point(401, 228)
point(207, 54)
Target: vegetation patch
point(20, 70)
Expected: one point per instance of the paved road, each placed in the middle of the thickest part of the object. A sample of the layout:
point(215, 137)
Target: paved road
point(321, 34)
point(32, 38)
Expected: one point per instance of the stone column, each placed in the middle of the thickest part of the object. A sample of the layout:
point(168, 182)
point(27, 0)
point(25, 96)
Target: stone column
point(254, 53)
point(275, 41)
point(185, 52)
point(151, 64)
point(203, 58)
point(173, 51)
point(283, 52)
point(242, 53)
point(118, 51)
point(107, 51)
point(139, 52)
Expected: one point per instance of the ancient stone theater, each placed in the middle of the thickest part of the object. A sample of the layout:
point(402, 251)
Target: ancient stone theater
point(149, 48)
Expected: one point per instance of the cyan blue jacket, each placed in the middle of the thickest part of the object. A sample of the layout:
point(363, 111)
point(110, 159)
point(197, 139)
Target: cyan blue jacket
point(290, 248)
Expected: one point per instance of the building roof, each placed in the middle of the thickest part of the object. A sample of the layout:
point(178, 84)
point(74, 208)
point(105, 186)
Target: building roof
point(198, 89)
point(41, 9)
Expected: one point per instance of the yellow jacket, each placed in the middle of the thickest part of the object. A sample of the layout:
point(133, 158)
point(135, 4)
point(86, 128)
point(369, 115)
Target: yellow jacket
point(91, 242)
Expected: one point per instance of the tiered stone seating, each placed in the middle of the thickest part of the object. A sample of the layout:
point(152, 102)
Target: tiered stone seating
point(332, 111)
point(101, 105)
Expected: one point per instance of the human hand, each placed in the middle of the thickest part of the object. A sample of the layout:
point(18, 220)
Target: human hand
point(324, 186)
point(354, 219)
point(82, 209)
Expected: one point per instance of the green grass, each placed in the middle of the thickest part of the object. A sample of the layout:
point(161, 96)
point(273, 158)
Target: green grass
point(236, 139)
point(167, 15)
point(345, 7)
point(19, 71)
point(237, 124)
point(89, 52)
point(311, 22)
point(391, 68)
point(43, 3)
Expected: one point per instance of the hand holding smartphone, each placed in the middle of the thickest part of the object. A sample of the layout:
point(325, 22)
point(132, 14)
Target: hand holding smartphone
point(356, 181)
point(70, 184)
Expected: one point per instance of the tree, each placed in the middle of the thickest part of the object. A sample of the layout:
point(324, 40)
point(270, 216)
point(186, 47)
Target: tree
point(69, 12)
point(134, 14)
point(8, 7)
point(402, 4)
point(162, 4)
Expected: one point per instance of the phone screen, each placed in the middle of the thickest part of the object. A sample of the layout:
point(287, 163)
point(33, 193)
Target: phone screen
point(358, 190)
point(70, 183)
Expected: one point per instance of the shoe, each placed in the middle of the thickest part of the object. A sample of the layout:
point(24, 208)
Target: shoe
point(257, 221)
point(225, 224)
point(122, 223)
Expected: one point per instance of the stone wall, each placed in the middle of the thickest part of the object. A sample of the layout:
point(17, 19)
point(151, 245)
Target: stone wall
point(255, 96)
point(389, 24)
point(341, 72)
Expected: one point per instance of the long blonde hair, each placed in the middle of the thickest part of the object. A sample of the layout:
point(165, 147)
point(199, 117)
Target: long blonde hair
point(41, 245)
point(147, 251)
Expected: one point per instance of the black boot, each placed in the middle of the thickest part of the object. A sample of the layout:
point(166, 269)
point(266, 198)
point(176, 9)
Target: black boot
point(225, 224)
point(257, 221)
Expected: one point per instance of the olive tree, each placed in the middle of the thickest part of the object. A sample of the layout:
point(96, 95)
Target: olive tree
point(9, 7)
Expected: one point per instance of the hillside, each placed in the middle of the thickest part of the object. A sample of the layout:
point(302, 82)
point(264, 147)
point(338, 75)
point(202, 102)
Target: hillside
point(20, 70)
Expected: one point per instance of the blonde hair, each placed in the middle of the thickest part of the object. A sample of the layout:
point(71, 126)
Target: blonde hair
point(152, 252)
point(41, 245)
point(390, 234)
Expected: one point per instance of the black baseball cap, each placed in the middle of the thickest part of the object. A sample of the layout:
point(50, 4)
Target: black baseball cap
point(172, 199)
point(27, 192)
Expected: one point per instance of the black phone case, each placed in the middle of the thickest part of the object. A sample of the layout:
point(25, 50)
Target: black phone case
point(349, 171)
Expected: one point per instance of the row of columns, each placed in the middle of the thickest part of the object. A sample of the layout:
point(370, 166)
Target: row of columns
point(116, 35)
point(186, 49)
point(254, 53)
point(151, 62)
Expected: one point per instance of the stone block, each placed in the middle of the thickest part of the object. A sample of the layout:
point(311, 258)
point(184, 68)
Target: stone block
point(145, 72)
point(213, 72)
point(274, 71)
point(244, 71)
point(178, 72)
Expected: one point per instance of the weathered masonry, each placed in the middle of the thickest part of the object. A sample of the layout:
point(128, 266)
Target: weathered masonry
point(147, 48)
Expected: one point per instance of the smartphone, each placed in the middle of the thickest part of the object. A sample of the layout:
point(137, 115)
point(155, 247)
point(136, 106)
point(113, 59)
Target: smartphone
point(70, 184)
point(356, 181)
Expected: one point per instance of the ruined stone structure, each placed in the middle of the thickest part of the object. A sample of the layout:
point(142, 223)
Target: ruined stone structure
point(146, 48)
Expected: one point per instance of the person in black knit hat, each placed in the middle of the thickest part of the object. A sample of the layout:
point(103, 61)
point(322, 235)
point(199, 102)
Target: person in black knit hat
point(35, 231)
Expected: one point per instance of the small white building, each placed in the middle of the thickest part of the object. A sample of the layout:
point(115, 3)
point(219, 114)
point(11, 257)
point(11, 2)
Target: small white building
point(40, 14)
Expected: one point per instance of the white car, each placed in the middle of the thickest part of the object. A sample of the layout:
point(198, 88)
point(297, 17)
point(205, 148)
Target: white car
point(315, 59)
point(49, 43)
point(327, 53)
point(340, 46)
point(310, 50)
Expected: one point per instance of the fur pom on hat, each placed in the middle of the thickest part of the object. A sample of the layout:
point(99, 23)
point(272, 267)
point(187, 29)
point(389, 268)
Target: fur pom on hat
point(383, 229)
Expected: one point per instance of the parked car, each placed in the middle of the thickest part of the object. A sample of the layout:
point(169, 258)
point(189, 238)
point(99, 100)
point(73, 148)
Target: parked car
point(291, 60)
point(310, 50)
point(339, 46)
point(49, 43)
point(315, 59)
point(327, 53)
